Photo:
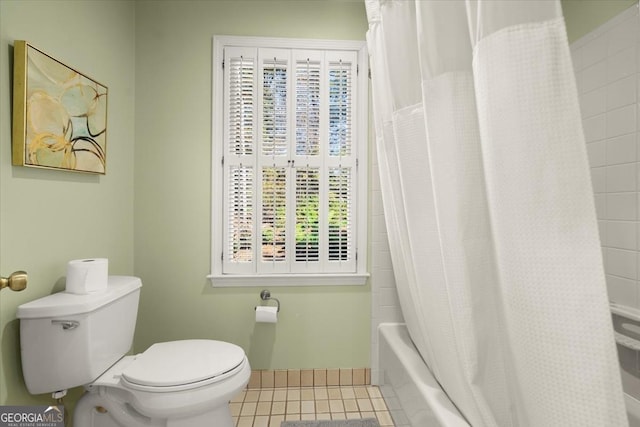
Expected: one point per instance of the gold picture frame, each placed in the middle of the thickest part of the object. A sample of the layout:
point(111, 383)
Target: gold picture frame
point(59, 114)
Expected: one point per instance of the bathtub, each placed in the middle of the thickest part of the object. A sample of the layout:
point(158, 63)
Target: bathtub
point(633, 410)
point(412, 394)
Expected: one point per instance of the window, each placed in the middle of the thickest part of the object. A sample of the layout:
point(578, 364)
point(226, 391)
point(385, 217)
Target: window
point(288, 187)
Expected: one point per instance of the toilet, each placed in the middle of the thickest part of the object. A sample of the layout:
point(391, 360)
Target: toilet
point(69, 340)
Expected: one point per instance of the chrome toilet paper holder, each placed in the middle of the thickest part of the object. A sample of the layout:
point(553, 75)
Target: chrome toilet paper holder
point(265, 295)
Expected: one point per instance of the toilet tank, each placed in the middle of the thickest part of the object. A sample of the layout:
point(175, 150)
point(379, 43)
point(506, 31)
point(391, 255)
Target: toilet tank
point(68, 340)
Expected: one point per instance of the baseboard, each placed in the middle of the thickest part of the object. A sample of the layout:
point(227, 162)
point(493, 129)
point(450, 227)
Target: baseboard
point(309, 377)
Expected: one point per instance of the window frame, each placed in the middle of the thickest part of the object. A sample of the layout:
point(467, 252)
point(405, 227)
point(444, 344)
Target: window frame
point(360, 126)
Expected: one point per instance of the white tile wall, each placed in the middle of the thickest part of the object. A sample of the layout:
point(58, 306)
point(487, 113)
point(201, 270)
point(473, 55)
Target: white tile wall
point(385, 303)
point(607, 72)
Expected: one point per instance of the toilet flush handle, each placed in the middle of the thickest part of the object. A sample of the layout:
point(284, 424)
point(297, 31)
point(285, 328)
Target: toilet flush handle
point(67, 325)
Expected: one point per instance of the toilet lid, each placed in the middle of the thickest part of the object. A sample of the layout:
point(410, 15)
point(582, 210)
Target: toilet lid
point(183, 362)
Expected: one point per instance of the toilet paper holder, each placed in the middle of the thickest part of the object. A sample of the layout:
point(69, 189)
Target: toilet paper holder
point(265, 295)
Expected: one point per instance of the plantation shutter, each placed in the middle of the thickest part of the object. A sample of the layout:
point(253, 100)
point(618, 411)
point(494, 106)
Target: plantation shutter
point(274, 117)
point(240, 145)
point(291, 170)
point(341, 162)
point(307, 161)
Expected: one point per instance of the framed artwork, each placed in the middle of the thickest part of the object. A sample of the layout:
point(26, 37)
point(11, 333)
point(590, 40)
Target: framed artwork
point(59, 114)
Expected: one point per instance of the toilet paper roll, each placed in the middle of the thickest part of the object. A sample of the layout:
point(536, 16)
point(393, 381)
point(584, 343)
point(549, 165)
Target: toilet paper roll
point(265, 314)
point(86, 276)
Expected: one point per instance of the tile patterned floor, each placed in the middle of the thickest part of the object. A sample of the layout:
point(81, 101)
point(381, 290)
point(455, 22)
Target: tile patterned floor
point(268, 407)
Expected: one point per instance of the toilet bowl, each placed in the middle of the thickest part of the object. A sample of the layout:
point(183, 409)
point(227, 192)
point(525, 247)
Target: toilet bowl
point(188, 383)
point(72, 340)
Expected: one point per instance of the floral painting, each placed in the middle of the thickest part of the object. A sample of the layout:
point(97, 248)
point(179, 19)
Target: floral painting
point(60, 115)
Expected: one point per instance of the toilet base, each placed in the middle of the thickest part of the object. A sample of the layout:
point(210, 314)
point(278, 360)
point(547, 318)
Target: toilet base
point(93, 410)
point(110, 403)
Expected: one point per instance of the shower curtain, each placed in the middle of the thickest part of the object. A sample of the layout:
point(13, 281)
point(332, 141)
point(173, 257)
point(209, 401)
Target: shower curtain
point(490, 211)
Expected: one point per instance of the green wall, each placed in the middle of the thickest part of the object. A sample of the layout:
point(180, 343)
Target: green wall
point(583, 16)
point(318, 326)
point(155, 57)
point(50, 217)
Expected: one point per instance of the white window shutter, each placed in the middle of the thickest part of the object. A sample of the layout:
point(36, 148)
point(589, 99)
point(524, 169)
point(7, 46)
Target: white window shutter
point(309, 138)
point(290, 161)
point(274, 122)
point(341, 161)
point(240, 145)
point(273, 250)
point(309, 99)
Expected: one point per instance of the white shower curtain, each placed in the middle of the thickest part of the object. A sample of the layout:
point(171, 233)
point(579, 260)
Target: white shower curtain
point(489, 209)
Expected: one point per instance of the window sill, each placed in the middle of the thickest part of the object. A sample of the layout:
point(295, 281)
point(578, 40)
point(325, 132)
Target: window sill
point(238, 280)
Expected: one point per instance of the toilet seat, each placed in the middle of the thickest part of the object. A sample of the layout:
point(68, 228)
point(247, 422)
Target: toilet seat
point(183, 365)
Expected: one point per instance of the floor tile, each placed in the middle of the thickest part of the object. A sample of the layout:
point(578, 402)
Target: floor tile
point(269, 407)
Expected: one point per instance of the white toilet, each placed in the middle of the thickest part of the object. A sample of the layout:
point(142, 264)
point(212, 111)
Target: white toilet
point(70, 340)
